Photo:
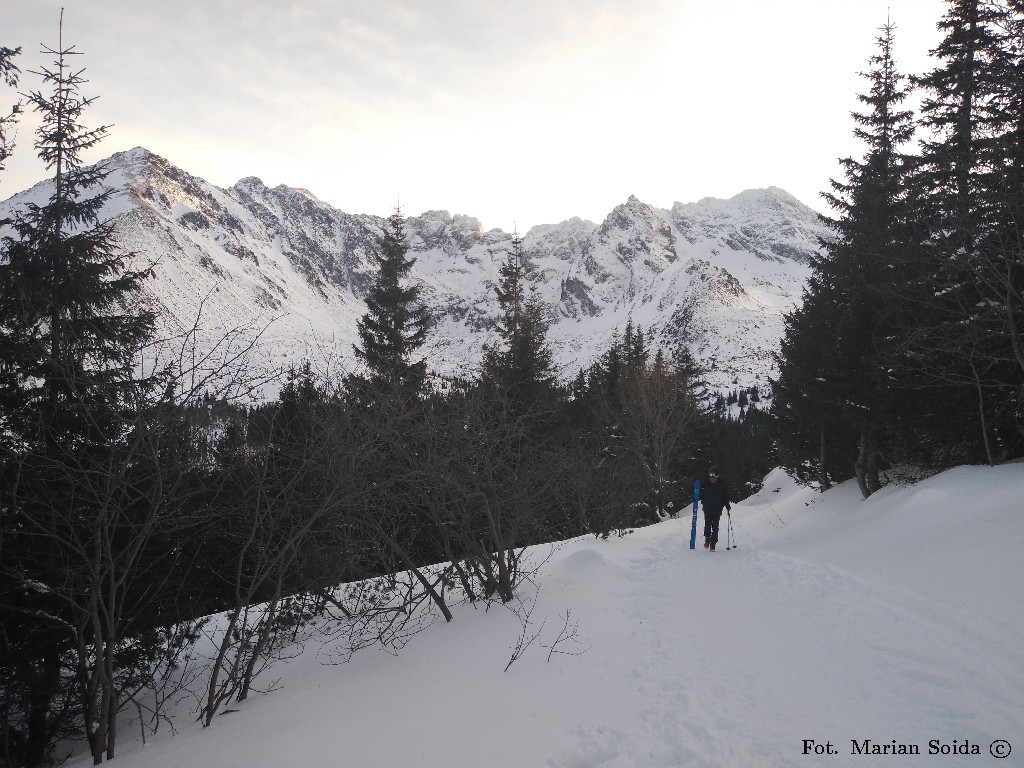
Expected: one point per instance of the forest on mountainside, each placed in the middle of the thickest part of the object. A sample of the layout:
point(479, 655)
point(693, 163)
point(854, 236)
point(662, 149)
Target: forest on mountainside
point(140, 493)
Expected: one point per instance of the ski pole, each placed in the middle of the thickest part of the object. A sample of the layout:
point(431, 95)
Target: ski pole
point(732, 536)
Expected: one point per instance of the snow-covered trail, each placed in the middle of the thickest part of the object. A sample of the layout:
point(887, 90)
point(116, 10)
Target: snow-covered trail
point(892, 620)
point(740, 656)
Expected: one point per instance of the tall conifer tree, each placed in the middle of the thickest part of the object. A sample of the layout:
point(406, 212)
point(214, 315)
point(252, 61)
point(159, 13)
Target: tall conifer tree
point(70, 330)
point(395, 325)
point(864, 259)
point(833, 377)
point(520, 366)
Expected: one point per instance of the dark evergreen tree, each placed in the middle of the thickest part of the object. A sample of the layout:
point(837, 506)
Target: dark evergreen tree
point(395, 325)
point(957, 111)
point(70, 327)
point(833, 373)
point(611, 370)
point(863, 262)
point(634, 350)
point(391, 333)
point(520, 367)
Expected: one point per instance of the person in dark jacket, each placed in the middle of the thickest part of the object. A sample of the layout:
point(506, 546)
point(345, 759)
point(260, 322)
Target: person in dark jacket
point(714, 497)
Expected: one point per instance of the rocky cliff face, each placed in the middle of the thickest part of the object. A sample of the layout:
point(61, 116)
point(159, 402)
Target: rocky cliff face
point(714, 276)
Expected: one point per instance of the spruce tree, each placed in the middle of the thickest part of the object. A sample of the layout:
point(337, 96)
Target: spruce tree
point(395, 325)
point(70, 327)
point(833, 372)
point(862, 263)
point(520, 366)
point(390, 407)
point(634, 349)
point(611, 371)
point(957, 111)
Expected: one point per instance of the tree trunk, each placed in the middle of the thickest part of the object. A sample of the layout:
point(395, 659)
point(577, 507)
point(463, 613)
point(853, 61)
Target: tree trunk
point(867, 461)
point(213, 701)
point(982, 418)
point(45, 686)
point(112, 721)
point(266, 627)
point(505, 589)
point(822, 468)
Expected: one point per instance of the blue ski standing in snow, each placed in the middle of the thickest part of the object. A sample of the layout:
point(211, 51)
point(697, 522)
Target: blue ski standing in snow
point(693, 526)
point(714, 498)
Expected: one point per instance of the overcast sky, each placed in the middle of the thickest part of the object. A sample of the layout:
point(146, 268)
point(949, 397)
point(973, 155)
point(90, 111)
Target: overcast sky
point(519, 113)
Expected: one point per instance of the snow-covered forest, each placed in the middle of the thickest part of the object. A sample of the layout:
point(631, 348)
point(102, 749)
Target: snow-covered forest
point(388, 565)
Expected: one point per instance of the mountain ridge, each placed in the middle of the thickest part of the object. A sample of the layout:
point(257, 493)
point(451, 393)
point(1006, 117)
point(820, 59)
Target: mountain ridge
point(714, 276)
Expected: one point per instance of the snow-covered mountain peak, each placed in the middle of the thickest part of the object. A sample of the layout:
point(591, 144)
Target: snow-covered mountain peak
point(636, 230)
point(440, 229)
point(251, 185)
point(769, 223)
point(134, 162)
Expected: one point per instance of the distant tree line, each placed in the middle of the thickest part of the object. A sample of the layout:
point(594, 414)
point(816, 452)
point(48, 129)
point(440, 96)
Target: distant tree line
point(909, 343)
point(140, 493)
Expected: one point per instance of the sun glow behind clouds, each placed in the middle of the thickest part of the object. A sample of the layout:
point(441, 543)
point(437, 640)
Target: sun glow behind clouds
point(529, 112)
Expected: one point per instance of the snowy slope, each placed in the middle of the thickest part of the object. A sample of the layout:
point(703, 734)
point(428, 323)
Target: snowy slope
point(713, 276)
point(896, 619)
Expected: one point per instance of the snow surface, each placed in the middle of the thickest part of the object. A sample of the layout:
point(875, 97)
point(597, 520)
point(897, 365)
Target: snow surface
point(837, 619)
